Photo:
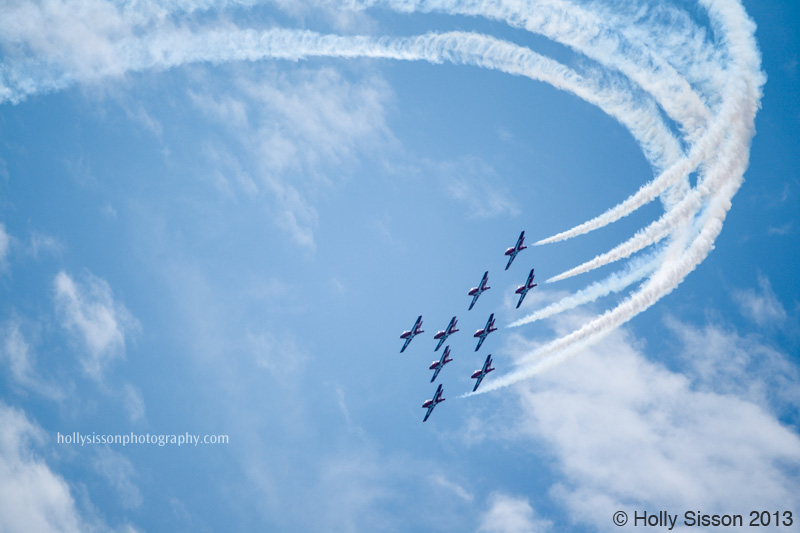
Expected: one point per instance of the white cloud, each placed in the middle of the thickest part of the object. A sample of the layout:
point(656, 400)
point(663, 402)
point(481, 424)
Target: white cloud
point(785, 229)
point(762, 306)
point(109, 212)
point(17, 353)
point(88, 312)
point(477, 185)
point(119, 473)
point(32, 497)
point(627, 433)
point(507, 514)
point(41, 242)
point(440, 480)
point(133, 402)
point(278, 354)
point(5, 242)
point(294, 135)
point(722, 361)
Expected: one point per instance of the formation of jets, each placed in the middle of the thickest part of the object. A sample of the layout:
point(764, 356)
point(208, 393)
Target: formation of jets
point(481, 334)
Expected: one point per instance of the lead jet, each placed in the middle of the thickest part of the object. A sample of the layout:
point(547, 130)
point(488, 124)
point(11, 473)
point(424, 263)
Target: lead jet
point(480, 374)
point(522, 290)
point(446, 332)
point(476, 291)
point(483, 333)
point(512, 252)
point(410, 334)
point(430, 404)
point(436, 366)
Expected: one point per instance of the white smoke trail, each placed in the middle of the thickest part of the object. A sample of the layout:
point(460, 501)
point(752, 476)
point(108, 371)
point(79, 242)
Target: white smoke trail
point(706, 145)
point(735, 21)
point(727, 131)
point(636, 271)
point(746, 77)
point(711, 93)
point(659, 229)
point(664, 281)
point(167, 49)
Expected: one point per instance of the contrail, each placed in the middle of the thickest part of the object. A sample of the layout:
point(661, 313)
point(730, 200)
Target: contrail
point(659, 229)
point(687, 94)
point(747, 79)
point(636, 271)
point(168, 49)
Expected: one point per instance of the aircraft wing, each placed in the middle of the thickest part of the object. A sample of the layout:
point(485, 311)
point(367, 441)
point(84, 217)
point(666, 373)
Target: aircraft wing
point(521, 238)
point(521, 297)
point(474, 299)
point(480, 342)
point(405, 344)
point(441, 341)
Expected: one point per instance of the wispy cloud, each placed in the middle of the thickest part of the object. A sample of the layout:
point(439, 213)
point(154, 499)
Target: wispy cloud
point(133, 402)
point(762, 306)
point(5, 242)
point(118, 471)
point(475, 184)
point(293, 136)
point(90, 314)
point(34, 498)
point(440, 481)
point(16, 352)
point(785, 229)
point(719, 359)
point(509, 514)
point(40, 243)
point(279, 354)
point(629, 434)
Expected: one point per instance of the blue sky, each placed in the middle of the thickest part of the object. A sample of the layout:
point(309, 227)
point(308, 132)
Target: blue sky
point(216, 218)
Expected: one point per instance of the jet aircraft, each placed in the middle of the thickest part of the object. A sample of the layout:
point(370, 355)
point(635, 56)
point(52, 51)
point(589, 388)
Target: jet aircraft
point(410, 334)
point(476, 291)
point(446, 332)
point(430, 404)
point(480, 374)
point(436, 366)
point(483, 333)
point(517, 248)
point(522, 290)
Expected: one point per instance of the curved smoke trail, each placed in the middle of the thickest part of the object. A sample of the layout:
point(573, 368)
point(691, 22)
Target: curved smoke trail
point(687, 93)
